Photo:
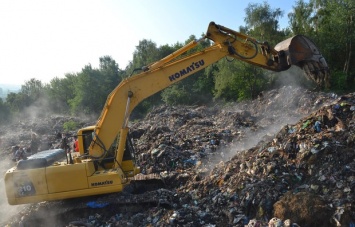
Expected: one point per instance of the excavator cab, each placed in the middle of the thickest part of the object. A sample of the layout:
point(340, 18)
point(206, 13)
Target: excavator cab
point(128, 165)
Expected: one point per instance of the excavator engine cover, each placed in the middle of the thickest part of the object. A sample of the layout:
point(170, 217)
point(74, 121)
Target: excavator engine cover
point(301, 51)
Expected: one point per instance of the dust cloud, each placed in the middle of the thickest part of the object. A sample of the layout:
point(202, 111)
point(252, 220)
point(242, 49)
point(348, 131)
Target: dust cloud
point(294, 76)
point(6, 211)
point(277, 110)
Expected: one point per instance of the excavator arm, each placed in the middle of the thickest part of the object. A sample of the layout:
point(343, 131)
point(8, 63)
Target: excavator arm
point(104, 165)
point(299, 51)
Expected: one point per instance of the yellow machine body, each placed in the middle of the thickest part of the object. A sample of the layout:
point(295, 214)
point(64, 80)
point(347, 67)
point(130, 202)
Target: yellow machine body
point(60, 181)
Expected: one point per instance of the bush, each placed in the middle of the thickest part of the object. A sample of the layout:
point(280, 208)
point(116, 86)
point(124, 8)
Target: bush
point(70, 126)
point(174, 95)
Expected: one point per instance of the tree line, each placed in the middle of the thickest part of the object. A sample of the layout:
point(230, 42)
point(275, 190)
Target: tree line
point(329, 23)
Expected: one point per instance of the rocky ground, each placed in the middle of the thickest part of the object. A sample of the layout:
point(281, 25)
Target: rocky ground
point(259, 163)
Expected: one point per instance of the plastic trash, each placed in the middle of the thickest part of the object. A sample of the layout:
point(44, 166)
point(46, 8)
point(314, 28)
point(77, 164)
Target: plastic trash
point(94, 204)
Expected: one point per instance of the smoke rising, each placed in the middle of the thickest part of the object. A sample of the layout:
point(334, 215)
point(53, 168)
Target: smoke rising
point(270, 113)
point(295, 77)
point(6, 211)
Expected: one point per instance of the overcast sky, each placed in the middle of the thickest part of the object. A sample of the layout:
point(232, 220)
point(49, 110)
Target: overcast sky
point(49, 38)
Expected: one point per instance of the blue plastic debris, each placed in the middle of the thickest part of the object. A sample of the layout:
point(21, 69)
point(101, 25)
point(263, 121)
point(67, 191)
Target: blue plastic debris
point(317, 126)
point(96, 205)
point(291, 130)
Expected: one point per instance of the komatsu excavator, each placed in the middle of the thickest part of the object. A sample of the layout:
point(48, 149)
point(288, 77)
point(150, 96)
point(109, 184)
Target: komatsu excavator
point(106, 163)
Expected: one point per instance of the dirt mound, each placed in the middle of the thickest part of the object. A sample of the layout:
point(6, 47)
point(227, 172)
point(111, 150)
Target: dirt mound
point(306, 209)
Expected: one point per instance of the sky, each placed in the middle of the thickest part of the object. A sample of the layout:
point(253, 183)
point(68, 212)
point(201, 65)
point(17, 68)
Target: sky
point(44, 39)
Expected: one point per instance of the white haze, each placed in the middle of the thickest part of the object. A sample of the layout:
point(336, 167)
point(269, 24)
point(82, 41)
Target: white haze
point(6, 211)
point(291, 78)
point(38, 116)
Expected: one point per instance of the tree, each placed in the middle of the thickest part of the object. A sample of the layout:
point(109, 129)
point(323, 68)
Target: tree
point(337, 28)
point(110, 74)
point(176, 95)
point(88, 95)
point(238, 81)
point(33, 89)
point(31, 92)
point(301, 19)
point(4, 112)
point(262, 23)
point(60, 91)
point(17, 102)
point(330, 23)
point(146, 53)
point(92, 86)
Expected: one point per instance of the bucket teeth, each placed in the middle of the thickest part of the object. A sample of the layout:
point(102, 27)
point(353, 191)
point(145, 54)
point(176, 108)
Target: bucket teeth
point(317, 72)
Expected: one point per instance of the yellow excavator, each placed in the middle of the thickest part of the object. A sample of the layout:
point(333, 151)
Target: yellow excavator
point(105, 163)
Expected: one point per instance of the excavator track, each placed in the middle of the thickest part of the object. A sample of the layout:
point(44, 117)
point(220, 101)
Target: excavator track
point(160, 197)
point(141, 183)
point(143, 192)
point(60, 213)
point(143, 189)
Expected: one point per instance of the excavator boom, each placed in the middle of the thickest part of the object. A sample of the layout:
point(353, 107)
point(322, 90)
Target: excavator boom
point(106, 163)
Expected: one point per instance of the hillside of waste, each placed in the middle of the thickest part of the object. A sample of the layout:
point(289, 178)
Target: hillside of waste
point(284, 159)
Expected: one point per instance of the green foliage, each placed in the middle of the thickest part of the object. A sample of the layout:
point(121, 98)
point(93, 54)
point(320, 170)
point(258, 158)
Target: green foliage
point(174, 95)
point(33, 89)
point(88, 96)
point(92, 86)
point(329, 23)
point(332, 32)
point(301, 19)
point(262, 23)
point(86, 91)
point(338, 81)
point(4, 112)
point(225, 80)
point(238, 81)
point(146, 53)
point(70, 126)
point(60, 91)
point(16, 101)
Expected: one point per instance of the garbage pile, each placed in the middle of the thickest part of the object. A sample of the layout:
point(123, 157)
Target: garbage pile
point(305, 174)
point(284, 159)
point(38, 134)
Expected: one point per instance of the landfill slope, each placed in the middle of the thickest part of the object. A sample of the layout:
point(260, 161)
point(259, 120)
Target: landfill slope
point(266, 162)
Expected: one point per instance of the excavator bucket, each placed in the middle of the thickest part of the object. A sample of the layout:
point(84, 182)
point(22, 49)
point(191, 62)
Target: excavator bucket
point(301, 51)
